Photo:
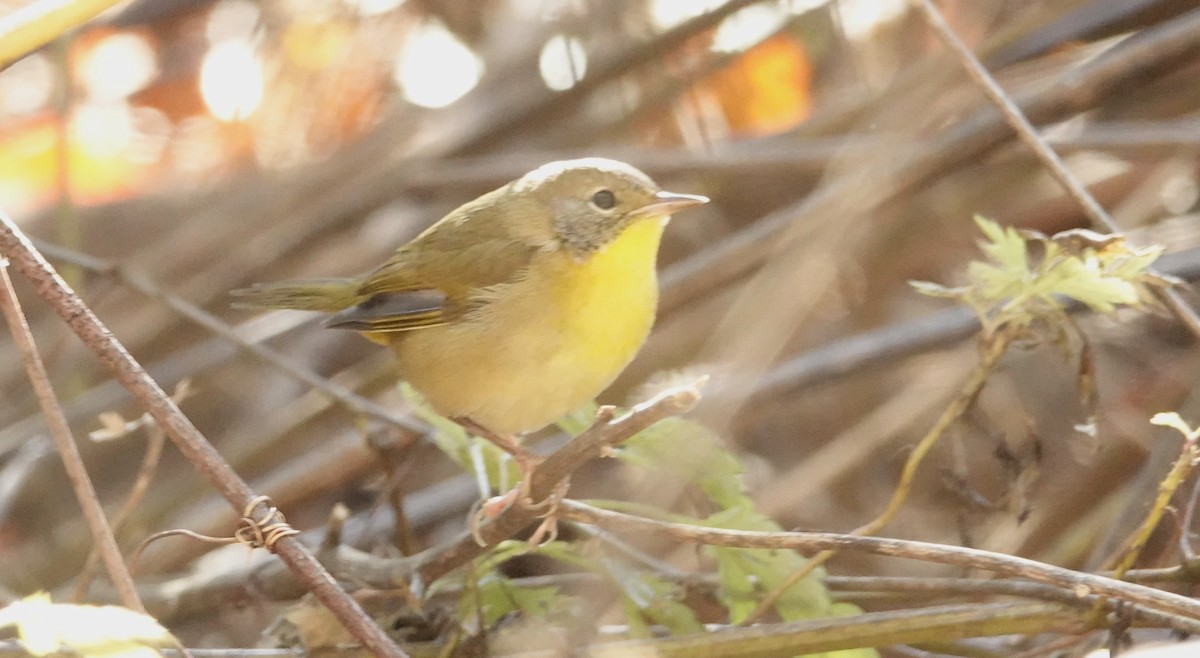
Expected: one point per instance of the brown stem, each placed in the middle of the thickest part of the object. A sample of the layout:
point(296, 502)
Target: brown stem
point(60, 431)
point(436, 562)
point(50, 287)
point(1083, 584)
point(141, 484)
point(1134, 62)
point(1029, 135)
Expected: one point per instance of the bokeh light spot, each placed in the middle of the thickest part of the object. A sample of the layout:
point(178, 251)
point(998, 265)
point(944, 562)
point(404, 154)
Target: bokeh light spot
point(666, 14)
point(562, 62)
point(231, 80)
point(373, 7)
point(117, 66)
point(102, 130)
point(860, 18)
point(434, 68)
point(748, 27)
point(26, 86)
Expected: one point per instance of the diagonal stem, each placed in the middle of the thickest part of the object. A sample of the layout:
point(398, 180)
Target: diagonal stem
point(1029, 134)
point(125, 369)
point(995, 346)
point(60, 431)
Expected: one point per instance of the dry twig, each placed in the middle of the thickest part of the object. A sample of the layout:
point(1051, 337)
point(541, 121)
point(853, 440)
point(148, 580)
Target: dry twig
point(60, 431)
point(1083, 584)
point(46, 282)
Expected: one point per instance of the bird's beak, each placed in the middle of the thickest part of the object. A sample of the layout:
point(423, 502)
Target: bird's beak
point(666, 203)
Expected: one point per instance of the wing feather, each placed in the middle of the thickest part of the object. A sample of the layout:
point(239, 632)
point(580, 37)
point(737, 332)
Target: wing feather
point(434, 279)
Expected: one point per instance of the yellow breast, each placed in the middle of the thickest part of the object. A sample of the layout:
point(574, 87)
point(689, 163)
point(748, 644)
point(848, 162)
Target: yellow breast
point(545, 345)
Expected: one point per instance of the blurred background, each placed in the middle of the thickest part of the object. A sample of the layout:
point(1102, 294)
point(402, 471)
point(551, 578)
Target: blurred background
point(177, 149)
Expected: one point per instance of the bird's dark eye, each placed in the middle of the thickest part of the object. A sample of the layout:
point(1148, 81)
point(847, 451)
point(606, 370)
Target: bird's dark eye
point(604, 199)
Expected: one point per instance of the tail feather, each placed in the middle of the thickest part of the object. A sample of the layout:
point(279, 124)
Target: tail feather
point(326, 295)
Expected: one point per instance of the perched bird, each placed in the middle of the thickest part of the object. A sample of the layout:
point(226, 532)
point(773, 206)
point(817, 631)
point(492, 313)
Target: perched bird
point(518, 307)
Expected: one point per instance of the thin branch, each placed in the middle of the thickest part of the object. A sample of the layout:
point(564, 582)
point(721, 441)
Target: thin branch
point(20, 468)
point(995, 346)
point(37, 24)
point(1029, 135)
point(434, 563)
point(1186, 532)
point(871, 629)
point(188, 595)
point(900, 340)
point(143, 284)
point(141, 483)
point(50, 287)
point(1083, 584)
point(60, 432)
point(1166, 490)
point(1075, 90)
point(939, 589)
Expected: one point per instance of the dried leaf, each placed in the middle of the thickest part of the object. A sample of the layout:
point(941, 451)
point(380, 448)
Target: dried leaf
point(44, 628)
point(113, 426)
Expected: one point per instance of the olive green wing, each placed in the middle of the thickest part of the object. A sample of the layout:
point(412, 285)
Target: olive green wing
point(433, 279)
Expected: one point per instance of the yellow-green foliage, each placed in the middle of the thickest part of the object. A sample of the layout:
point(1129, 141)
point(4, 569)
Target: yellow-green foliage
point(1029, 277)
point(692, 454)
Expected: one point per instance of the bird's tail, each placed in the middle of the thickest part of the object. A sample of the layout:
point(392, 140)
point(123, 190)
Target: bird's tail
point(326, 295)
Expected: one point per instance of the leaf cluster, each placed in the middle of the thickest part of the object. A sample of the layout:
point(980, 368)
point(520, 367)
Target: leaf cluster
point(1029, 278)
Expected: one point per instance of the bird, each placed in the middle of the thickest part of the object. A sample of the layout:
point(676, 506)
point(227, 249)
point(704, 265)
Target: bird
point(516, 308)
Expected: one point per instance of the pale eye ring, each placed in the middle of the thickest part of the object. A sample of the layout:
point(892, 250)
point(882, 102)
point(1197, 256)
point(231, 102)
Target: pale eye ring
point(604, 199)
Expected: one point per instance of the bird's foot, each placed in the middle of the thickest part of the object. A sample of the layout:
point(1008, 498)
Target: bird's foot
point(546, 510)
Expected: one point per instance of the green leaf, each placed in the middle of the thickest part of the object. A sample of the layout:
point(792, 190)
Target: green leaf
point(646, 596)
point(494, 595)
point(1083, 280)
point(1004, 245)
point(746, 575)
point(689, 451)
point(499, 597)
point(1101, 271)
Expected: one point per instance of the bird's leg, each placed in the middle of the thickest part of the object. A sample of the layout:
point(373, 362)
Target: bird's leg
point(526, 462)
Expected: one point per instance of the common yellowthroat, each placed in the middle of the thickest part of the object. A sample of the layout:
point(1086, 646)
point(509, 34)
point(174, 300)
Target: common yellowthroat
point(518, 307)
